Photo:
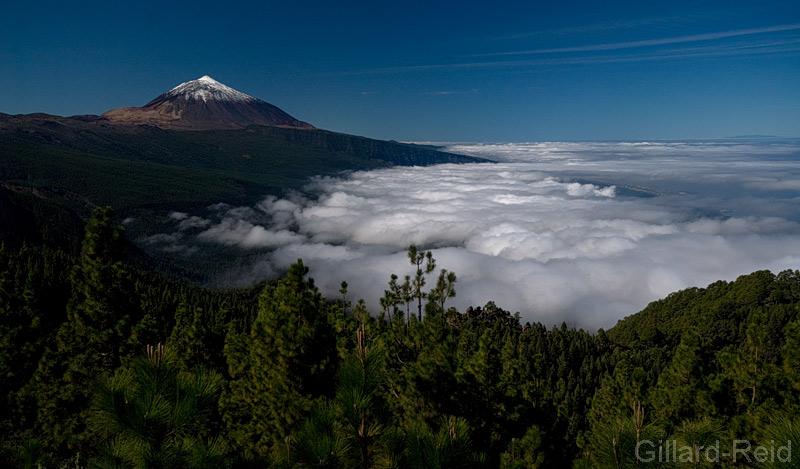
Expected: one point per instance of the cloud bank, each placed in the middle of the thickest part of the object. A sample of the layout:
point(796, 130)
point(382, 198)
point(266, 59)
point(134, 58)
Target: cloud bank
point(585, 233)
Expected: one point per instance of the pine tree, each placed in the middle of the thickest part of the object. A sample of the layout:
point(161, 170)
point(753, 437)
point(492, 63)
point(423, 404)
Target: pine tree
point(417, 257)
point(682, 391)
point(359, 399)
point(444, 290)
point(699, 434)
point(790, 353)
point(21, 319)
point(782, 433)
point(98, 316)
point(190, 337)
point(751, 374)
point(449, 446)
point(319, 441)
point(93, 339)
point(524, 453)
point(280, 367)
point(620, 419)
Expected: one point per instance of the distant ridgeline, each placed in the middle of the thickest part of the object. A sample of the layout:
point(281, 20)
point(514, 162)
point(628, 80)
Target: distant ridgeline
point(108, 364)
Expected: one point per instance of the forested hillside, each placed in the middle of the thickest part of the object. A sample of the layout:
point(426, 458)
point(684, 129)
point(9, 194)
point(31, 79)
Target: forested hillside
point(84, 164)
point(104, 364)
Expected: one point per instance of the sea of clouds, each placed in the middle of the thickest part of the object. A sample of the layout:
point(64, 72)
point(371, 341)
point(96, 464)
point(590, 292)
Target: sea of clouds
point(585, 233)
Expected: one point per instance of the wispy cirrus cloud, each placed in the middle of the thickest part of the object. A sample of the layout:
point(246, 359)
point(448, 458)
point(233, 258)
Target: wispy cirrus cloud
point(449, 92)
point(646, 43)
point(753, 41)
point(626, 24)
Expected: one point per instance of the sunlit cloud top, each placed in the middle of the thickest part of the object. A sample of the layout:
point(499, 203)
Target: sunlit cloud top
point(579, 232)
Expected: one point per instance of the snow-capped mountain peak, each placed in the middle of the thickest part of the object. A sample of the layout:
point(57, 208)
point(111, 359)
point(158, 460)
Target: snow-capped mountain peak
point(206, 88)
point(204, 104)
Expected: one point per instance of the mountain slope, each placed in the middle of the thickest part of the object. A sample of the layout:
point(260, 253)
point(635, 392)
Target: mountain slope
point(204, 104)
point(93, 163)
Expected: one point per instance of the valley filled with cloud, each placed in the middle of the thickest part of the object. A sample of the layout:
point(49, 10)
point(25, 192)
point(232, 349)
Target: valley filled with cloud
point(585, 233)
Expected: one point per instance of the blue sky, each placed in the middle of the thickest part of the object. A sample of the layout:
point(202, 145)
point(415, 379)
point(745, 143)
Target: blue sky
point(460, 71)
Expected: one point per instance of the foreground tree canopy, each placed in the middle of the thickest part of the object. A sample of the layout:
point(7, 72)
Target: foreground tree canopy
point(103, 364)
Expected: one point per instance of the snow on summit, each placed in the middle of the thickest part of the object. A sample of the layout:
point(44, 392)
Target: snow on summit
point(204, 104)
point(206, 88)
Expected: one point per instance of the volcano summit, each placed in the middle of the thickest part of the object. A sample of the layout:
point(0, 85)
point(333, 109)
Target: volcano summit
point(204, 104)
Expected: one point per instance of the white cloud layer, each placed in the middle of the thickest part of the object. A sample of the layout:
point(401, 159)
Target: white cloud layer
point(585, 233)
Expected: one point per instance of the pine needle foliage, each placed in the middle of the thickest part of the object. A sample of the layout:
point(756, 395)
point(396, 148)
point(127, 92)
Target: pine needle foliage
point(152, 414)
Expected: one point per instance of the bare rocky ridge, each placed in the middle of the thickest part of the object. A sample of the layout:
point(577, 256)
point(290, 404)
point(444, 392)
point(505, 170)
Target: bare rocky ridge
point(204, 104)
